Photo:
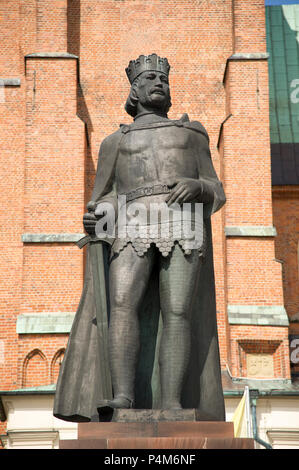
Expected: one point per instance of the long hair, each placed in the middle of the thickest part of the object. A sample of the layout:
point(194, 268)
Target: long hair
point(131, 103)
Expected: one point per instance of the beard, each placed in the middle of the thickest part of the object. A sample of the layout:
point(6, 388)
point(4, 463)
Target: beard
point(155, 99)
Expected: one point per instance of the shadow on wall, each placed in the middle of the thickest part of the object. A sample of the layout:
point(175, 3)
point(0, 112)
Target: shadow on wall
point(73, 47)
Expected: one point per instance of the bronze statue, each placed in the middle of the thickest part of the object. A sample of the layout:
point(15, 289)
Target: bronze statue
point(121, 354)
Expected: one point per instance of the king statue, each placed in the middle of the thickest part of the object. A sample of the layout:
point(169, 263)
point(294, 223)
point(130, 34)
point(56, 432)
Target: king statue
point(145, 332)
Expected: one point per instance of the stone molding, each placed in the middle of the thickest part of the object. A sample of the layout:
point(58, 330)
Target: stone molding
point(270, 315)
point(31, 439)
point(54, 55)
point(51, 55)
point(283, 438)
point(241, 56)
point(10, 82)
point(250, 231)
point(45, 322)
point(249, 56)
point(52, 237)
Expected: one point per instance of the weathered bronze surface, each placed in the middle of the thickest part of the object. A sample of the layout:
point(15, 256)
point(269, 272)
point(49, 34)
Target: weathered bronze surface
point(122, 353)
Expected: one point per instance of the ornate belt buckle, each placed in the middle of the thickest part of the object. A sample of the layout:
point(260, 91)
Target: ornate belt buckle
point(148, 191)
point(130, 196)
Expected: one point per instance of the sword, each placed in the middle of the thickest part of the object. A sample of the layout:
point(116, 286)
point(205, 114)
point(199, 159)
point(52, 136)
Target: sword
point(97, 260)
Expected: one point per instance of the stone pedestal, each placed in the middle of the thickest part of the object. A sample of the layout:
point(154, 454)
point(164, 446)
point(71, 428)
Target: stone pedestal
point(156, 429)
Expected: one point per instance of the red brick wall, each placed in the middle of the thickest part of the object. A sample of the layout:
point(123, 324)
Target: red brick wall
point(249, 26)
point(12, 138)
point(253, 276)
point(10, 59)
point(51, 25)
point(286, 221)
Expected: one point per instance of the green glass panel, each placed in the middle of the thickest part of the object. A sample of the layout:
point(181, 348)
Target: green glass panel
point(283, 47)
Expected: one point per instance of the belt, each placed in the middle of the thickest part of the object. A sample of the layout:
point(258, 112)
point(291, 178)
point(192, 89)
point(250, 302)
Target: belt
point(147, 191)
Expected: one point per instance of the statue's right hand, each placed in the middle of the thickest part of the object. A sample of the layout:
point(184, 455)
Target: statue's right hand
point(89, 219)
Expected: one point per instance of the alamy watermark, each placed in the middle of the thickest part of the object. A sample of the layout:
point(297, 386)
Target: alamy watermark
point(150, 220)
point(295, 93)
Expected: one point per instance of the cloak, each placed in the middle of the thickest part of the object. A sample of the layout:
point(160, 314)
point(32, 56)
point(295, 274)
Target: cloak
point(84, 378)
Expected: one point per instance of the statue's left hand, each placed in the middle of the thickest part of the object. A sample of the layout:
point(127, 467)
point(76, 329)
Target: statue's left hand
point(184, 190)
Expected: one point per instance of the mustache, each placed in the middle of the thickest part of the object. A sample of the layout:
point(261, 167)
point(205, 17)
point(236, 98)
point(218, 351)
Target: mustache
point(157, 89)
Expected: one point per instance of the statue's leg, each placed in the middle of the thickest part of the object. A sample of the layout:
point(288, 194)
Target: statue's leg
point(128, 279)
point(178, 281)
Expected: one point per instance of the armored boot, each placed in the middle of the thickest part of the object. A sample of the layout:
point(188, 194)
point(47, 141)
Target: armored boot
point(123, 355)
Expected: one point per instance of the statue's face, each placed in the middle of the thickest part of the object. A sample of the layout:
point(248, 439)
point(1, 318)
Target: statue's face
point(153, 89)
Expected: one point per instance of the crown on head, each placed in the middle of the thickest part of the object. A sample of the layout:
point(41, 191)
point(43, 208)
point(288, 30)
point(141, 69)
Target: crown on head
point(144, 63)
